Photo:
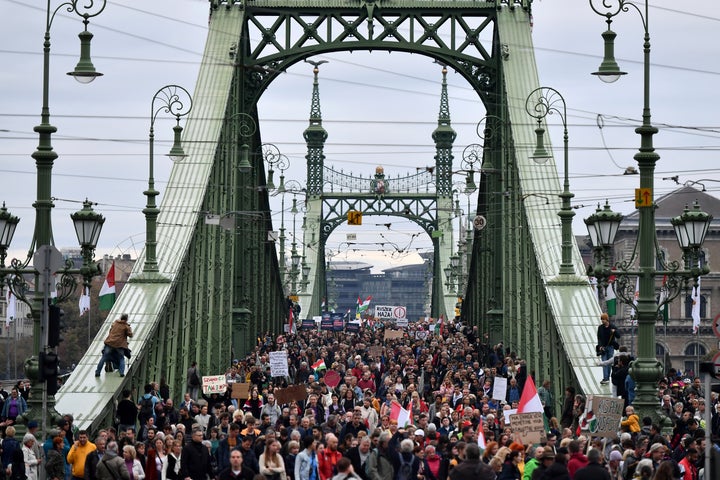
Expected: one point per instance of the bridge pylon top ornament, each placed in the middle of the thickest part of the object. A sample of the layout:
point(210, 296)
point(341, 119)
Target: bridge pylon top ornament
point(379, 185)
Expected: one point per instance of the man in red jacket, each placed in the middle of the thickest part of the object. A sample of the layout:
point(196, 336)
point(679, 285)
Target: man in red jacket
point(329, 457)
point(577, 459)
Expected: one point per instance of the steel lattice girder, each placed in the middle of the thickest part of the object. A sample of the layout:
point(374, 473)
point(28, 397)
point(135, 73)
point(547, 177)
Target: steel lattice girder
point(277, 34)
point(421, 209)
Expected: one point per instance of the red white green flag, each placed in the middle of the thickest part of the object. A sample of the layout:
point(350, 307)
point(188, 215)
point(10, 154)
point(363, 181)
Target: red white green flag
point(107, 292)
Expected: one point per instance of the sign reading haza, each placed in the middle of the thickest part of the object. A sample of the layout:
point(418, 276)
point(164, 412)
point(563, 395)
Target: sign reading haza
point(390, 312)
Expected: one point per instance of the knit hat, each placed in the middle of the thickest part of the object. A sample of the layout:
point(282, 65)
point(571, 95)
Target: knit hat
point(615, 456)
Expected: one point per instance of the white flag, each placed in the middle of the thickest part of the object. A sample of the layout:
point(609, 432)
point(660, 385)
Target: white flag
point(695, 312)
point(11, 308)
point(84, 302)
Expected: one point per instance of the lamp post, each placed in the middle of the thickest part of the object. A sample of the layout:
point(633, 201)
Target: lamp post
point(276, 160)
point(539, 104)
point(46, 258)
point(175, 100)
point(645, 370)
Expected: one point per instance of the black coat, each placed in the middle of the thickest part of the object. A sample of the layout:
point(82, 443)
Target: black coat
point(195, 461)
point(472, 470)
point(593, 471)
point(359, 468)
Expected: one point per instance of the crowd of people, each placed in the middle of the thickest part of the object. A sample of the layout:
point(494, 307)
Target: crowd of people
point(347, 428)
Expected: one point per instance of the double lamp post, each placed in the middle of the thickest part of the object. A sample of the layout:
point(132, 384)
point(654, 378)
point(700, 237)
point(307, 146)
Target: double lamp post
point(44, 262)
point(647, 262)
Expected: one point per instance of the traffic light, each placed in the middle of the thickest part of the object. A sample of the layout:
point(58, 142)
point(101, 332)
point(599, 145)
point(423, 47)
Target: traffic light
point(55, 325)
point(49, 363)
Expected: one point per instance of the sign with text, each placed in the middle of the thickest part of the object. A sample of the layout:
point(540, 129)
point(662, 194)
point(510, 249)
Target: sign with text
point(499, 388)
point(528, 427)
point(240, 391)
point(602, 416)
point(390, 312)
point(375, 351)
point(353, 327)
point(279, 364)
point(338, 320)
point(326, 323)
point(307, 324)
point(214, 384)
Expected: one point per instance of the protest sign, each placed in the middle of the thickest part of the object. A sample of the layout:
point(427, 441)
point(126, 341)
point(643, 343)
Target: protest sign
point(307, 324)
point(375, 351)
point(278, 364)
point(240, 391)
point(292, 393)
point(392, 334)
point(602, 416)
point(326, 323)
point(499, 388)
point(352, 327)
point(213, 384)
point(528, 427)
point(332, 378)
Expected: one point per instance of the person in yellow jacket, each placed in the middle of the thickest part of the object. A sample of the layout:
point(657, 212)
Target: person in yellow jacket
point(632, 421)
point(78, 454)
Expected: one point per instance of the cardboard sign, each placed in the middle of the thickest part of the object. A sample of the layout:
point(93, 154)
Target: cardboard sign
point(240, 391)
point(499, 388)
point(292, 393)
point(528, 427)
point(213, 384)
point(393, 334)
point(375, 351)
point(279, 364)
point(602, 416)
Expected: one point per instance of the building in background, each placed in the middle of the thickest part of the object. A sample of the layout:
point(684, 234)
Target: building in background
point(676, 346)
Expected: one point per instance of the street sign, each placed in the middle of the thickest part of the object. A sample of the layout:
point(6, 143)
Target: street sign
point(643, 197)
point(716, 325)
point(354, 217)
point(479, 222)
point(47, 260)
point(716, 365)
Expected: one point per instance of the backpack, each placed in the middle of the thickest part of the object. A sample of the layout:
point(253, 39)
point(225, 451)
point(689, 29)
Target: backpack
point(405, 470)
point(146, 407)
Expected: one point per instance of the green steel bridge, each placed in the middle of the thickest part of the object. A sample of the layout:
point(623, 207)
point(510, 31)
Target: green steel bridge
point(214, 292)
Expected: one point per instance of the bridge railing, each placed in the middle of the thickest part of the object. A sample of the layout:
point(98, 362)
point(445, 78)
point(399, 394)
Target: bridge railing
point(339, 181)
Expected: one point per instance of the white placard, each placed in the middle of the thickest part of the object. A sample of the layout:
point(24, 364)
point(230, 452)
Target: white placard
point(278, 364)
point(214, 384)
point(507, 413)
point(500, 388)
point(390, 312)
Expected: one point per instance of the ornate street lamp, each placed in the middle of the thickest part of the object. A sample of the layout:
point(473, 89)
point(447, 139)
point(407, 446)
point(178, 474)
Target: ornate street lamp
point(42, 252)
point(645, 370)
point(174, 100)
point(539, 104)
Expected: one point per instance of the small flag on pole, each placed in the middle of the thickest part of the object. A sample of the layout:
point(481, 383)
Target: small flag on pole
point(529, 400)
point(319, 365)
point(695, 312)
point(107, 292)
point(84, 302)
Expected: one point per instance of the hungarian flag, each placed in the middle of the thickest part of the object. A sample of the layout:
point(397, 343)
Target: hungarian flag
point(399, 414)
point(362, 306)
point(84, 302)
point(107, 292)
point(481, 435)
point(529, 400)
point(319, 365)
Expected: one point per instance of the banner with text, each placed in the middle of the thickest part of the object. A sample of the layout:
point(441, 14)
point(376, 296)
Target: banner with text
point(279, 364)
point(602, 416)
point(214, 384)
point(390, 312)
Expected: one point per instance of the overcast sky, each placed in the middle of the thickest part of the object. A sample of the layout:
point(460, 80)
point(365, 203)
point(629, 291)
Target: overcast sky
point(378, 108)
